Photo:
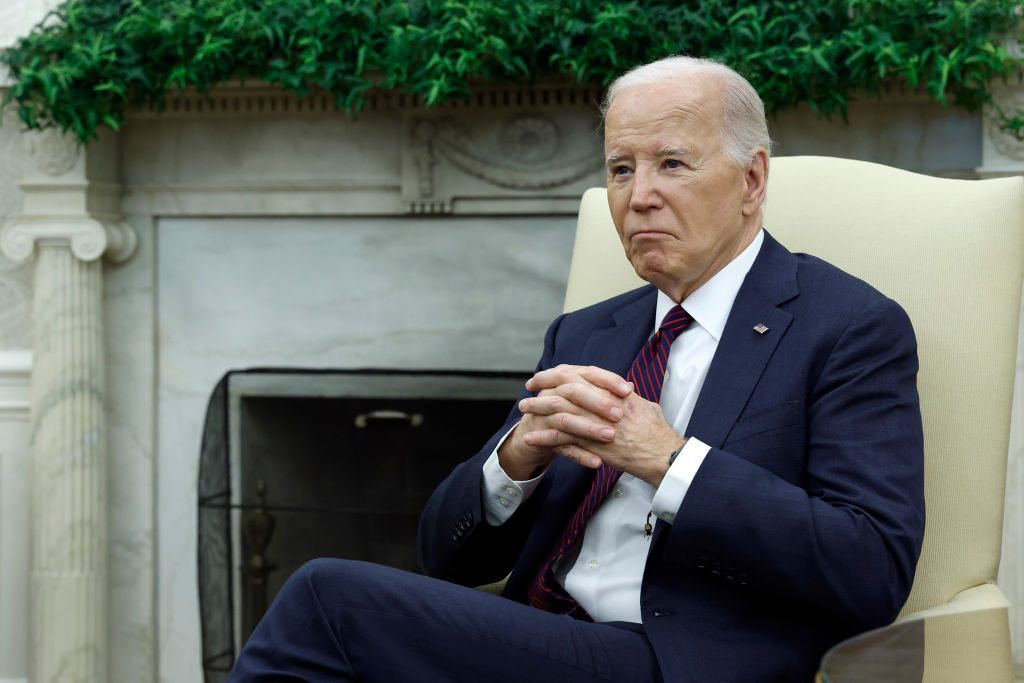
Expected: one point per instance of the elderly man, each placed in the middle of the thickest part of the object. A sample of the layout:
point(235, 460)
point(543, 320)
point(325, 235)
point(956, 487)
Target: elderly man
point(712, 478)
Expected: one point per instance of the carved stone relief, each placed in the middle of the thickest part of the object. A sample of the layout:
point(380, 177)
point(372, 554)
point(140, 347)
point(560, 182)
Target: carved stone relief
point(526, 157)
point(500, 153)
point(15, 278)
point(51, 151)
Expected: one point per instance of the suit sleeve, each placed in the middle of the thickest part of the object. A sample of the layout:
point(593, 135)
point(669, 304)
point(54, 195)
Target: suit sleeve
point(455, 541)
point(844, 540)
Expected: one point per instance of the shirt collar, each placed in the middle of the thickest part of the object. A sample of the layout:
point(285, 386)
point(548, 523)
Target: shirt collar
point(711, 304)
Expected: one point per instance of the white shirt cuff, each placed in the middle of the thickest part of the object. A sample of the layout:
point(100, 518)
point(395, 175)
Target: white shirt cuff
point(676, 483)
point(502, 495)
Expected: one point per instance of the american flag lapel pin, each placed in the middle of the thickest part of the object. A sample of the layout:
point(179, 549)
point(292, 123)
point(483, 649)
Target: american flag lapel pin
point(760, 328)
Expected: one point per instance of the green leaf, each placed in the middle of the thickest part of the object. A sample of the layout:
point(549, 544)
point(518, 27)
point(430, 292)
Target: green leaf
point(92, 58)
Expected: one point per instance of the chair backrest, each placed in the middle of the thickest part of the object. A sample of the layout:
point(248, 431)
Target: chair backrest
point(951, 252)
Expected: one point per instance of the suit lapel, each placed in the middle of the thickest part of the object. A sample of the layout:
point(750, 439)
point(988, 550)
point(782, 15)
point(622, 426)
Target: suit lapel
point(614, 348)
point(743, 353)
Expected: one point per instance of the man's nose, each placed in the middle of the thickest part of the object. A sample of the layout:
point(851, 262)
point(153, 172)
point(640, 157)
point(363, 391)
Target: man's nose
point(645, 193)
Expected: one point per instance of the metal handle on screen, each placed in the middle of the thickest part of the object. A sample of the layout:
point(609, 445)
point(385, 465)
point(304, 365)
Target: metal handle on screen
point(363, 419)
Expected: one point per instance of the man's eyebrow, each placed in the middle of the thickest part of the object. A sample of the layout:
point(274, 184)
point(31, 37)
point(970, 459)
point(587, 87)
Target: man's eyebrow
point(685, 152)
point(613, 159)
point(675, 152)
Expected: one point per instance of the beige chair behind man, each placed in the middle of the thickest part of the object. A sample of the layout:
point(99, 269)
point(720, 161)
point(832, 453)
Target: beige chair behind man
point(952, 253)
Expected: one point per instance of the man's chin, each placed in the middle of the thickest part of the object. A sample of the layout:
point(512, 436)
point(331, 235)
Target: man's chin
point(655, 272)
point(655, 277)
point(650, 267)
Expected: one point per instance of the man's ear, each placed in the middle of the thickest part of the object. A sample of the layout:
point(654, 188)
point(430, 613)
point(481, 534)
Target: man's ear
point(756, 182)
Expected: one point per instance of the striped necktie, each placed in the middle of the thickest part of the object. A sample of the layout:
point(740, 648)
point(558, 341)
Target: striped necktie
point(646, 374)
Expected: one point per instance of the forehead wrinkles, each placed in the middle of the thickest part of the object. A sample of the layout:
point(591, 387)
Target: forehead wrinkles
point(682, 127)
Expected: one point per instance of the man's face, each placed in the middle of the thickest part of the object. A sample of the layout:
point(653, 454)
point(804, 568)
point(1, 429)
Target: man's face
point(682, 208)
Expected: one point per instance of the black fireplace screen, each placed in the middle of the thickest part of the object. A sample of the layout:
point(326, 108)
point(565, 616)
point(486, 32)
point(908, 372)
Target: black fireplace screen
point(298, 464)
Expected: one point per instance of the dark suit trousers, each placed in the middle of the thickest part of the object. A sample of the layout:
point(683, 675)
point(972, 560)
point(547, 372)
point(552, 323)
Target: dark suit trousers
point(341, 620)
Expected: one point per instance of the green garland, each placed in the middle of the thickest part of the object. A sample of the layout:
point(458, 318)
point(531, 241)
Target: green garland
point(93, 60)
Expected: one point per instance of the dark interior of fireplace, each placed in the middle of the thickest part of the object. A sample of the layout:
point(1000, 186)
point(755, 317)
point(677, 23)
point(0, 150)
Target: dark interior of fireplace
point(324, 476)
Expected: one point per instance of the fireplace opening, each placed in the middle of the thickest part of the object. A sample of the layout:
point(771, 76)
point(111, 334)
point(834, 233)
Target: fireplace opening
point(300, 464)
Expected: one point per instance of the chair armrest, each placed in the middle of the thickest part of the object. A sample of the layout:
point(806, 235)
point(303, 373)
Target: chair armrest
point(494, 588)
point(985, 596)
point(965, 639)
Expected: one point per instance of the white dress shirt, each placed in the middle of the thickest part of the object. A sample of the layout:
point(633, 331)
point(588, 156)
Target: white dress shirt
point(603, 572)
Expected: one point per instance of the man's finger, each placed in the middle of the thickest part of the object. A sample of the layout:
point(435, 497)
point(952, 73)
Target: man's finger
point(546, 405)
point(606, 379)
point(563, 428)
point(581, 455)
point(574, 398)
point(565, 374)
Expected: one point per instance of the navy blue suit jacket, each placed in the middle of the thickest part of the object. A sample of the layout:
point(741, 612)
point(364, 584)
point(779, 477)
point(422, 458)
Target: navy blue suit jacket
point(804, 523)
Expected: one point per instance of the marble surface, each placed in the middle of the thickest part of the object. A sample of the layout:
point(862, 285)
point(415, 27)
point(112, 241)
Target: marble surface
point(15, 278)
point(15, 475)
point(129, 296)
point(17, 17)
point(472, 293)
point(907, 131)
point(69, 503)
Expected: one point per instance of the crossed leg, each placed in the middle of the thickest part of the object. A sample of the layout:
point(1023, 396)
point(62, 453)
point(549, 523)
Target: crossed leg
point(341, 620)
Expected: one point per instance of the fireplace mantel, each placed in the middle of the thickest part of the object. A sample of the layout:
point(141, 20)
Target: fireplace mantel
point(259, 151)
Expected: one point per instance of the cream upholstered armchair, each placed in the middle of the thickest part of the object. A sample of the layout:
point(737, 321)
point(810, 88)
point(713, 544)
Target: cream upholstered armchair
point(952, 253)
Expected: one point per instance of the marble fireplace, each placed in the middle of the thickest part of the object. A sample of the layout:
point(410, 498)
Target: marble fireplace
point(258, 230)
point(288, 235)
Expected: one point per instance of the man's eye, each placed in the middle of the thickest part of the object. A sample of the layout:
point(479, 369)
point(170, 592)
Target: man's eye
point(620, 170)
point(673, 163)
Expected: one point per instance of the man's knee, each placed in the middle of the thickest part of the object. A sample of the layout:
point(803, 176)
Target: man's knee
point(315, 572)
point(324, 575)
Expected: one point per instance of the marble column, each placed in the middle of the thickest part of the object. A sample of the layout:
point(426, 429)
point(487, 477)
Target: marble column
point(1003, 155)
point(69, 222)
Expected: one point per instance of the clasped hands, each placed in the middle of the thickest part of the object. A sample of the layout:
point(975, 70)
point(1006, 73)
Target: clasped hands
point(589, 415)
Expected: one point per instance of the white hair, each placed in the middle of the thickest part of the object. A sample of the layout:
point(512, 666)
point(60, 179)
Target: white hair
point(745, 128)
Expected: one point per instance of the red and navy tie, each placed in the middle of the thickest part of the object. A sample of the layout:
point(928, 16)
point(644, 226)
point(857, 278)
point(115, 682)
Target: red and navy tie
point(646, 374)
